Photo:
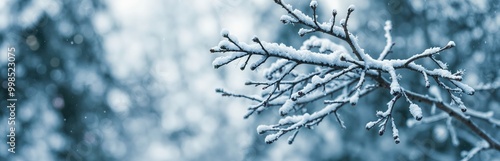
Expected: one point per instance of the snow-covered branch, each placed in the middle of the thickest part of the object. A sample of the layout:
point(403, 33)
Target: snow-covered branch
point(388, 37)
point(483, 145)
point(489, 86)
point(345, 77)
point(460, 116)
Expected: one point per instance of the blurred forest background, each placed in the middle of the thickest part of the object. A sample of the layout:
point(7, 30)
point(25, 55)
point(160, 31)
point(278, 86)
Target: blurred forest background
point(133, 80)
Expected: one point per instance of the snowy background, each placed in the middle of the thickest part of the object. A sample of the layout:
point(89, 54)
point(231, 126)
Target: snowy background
point(133, 80)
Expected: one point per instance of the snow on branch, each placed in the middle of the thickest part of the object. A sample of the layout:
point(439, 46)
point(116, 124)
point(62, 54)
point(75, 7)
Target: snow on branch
point(482, 145)
point(489, 86)
point(389, 43)
point(384, 118)
point(341, 77)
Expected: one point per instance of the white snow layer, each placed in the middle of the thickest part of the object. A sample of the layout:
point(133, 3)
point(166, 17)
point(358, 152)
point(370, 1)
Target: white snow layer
point(351, 8)
point(287, 107)
point(313, 4)
point(466, 88)
point(354, 98)
point(416, 111)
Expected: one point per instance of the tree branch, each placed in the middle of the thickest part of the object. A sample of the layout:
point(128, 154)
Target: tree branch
point(494, 144)
point(337, 70)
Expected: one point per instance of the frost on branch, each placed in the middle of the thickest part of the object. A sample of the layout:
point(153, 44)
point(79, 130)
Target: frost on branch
point(342, 75)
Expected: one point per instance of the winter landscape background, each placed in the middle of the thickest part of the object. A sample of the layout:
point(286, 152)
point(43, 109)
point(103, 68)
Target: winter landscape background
point(134, 80)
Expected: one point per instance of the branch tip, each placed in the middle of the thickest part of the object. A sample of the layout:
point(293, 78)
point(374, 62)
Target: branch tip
point(381, 131)
point(351, 8)
point(255, 39)
point(224, 33)
point(313, 4)
point(451, 44)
